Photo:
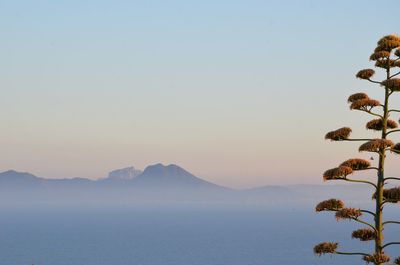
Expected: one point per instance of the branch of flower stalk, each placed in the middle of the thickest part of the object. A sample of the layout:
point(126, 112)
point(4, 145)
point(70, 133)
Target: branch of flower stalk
point(394, 110)
point(368, 168)
point(391, 243)
point(392, 132)
point(372, 81)
point(391, 150)
point(391, 178)
point(365, 223)
point(359, 181)
point(391, 222)
point(370, 112)
point(351, 253)
point(388, 201)
point(394, 75)
point(366, 211)
point(352, 140)
point(363, 211)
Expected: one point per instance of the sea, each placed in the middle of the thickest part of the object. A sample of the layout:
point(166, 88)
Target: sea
point(175, 235)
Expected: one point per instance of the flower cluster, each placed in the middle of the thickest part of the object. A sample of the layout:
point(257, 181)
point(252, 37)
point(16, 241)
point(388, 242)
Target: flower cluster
point(377, 124)
point(339, 134)
point(364, 234)
point(329, 205)
point(382, 52)
point(393, 84)
point(325, 248)
point(392, 195)
point(365, 104)
point(348, 213)
point(388, 43)
point(357, 96)
point(379, 55)
point(337, 173)
point(375, 145)
point(365, 74)
point(376, 258)
point(356, 164)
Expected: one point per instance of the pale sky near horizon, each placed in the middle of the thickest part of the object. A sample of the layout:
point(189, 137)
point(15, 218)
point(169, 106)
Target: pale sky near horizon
point(240, 93)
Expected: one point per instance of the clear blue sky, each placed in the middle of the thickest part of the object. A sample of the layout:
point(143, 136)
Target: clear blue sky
point(238, 92)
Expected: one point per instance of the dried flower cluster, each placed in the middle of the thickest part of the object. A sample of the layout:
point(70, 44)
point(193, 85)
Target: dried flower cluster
point(377, 258)
point(365, 104)
point(397, 261)
point(388, 43)
point(383, 50)
point(348, 213)
point(379, 55)
point(393, 84)
point(365, 74)
point(339, 134)
point(356, 164)
point(329, 205)
point(357, 96)
point(377, 124)
point(384, 63)
point(337, 173)
point(364, 234)
point(375, 145)
point(391, 195)
point(325, 248)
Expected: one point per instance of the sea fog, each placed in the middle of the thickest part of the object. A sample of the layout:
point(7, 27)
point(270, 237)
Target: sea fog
point(191, 234)
point(167, 216)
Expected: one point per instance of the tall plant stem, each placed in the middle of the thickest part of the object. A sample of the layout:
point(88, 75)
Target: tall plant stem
point(381, 176)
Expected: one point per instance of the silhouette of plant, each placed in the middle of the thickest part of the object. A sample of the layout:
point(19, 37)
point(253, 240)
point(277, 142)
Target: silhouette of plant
point(387, 57)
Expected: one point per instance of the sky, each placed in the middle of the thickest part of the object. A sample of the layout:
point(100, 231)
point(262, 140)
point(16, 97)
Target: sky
point(240, 93)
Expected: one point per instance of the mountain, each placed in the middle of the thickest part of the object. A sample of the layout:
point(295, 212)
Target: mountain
point(127, 173)
point(154, 176)
point(12, 178)
point(171, 176)
point(162, 184)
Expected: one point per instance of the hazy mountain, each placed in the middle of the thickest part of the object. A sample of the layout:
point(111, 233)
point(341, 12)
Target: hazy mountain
point(171, 176)
point(12, 178)
point(127, 173)
point(164, 184)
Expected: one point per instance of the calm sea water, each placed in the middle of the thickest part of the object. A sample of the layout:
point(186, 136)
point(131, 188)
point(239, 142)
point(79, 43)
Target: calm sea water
point(164, 236)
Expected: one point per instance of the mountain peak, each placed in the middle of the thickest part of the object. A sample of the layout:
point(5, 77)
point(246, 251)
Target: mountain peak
point(172, 175)
point(165, 171)
point(13, 177)
point(11, 171)
point(16, 174)
point(124, 173)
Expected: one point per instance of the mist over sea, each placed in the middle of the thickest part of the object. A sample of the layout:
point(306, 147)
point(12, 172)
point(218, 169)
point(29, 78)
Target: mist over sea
point(174, 235)
point(167, 216)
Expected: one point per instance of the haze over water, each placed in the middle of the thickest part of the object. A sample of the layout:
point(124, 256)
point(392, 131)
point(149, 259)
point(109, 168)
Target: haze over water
point(195, 236)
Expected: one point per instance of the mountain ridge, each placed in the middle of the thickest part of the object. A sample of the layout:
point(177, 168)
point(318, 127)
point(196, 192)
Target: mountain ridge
point(162, 184)
point(153, 174)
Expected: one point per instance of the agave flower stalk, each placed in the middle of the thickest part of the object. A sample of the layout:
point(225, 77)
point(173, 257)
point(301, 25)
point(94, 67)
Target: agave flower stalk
point(387, 57)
